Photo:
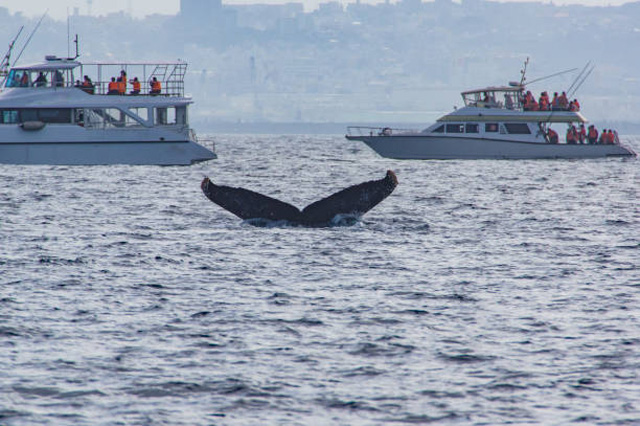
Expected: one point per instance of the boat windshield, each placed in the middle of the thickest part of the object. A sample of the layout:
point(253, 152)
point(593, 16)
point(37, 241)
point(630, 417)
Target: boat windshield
point(39, 77)
point(494, 97)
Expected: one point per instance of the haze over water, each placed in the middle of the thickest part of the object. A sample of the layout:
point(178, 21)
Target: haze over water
point(479, 292)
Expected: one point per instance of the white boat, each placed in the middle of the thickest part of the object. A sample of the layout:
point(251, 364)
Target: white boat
point(47, 115)
point(493, 124)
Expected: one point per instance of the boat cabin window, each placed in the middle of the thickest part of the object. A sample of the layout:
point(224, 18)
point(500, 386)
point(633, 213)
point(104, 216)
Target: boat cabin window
point(171, 116)
point(439, 129)
point(491, 127)
point(42, 78)
point(471, 128)
point(455, 128)
point(517, 128)
point(46, 115)
point(9, 116)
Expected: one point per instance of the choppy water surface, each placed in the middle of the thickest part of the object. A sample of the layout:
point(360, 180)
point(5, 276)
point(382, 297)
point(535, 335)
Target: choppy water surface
point(480, 292)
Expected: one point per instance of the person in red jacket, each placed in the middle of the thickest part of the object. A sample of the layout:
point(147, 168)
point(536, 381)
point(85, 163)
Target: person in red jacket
point(592, 135)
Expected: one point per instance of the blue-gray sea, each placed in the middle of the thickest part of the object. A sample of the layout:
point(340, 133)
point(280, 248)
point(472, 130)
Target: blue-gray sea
point(478, 293)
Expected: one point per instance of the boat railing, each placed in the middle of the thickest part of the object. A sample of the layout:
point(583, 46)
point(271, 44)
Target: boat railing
point(207, 142)
point(63, 74)
point(378, 131)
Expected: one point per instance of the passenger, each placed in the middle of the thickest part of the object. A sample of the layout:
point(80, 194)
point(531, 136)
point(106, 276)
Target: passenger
point(576, 104)
point(87, 85)
point(122, 82)
point(563, 102)
point(508, 101)
point(24, 80)
point(582, 134)
point(572, 107)
point(156, 87)
point(135, 83)
point(603, 137)
point(592, 136)
point(611, 139)
point(553, 136)
point(113, 87)
point(543, 102)
point(572, 135)
point(41, 81)
point(58, 79)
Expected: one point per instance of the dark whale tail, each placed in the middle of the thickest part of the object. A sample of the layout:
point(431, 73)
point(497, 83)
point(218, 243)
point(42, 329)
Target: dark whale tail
point(353, 201)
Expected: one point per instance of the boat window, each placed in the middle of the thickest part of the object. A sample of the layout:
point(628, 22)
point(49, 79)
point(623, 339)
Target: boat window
point(17, 78)
point(517, 128)
point(491, 127)
point(54, 115)
point(455, 128)
point(143, 113)
point(8, 116)
point(439, 129)
point(472, 128)
point(104, 118)
point(46, 115)
point(166, 116)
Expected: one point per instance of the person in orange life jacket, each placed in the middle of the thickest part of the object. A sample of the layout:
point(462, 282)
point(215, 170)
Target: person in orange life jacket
point(592, 135)
point(112, 89)
point(156, 87)
point(582, 134)
point(87, 85)
point(576, 104)
point(611, 139)
point(122, 80)
point(603, 137)
point(544, 101)
point(563, 102)
point(135, 83)
point(553, 136)
point(571, 135)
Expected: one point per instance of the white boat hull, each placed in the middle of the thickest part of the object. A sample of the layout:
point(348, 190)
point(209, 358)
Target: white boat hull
point(421, 147)
point(74, 145)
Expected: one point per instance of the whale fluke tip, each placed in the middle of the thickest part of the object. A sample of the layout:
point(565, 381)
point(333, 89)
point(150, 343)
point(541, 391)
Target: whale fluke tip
point(391, 175)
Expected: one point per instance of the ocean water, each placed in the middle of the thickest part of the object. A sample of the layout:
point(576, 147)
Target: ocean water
point(478, 293)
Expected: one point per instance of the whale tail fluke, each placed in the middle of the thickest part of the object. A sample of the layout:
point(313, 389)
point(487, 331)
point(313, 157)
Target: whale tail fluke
point(352, 201)
point(247, 204)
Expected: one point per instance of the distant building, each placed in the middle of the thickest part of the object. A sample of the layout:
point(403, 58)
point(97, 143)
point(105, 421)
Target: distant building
point(200, 10)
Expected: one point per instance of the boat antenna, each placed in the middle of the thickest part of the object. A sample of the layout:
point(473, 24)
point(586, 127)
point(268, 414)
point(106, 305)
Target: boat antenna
point(31, 35)
point(552, 75)
point(6, 61)
point(584, 69)
point(582, 80)
point(524, 72)
point(75, 40)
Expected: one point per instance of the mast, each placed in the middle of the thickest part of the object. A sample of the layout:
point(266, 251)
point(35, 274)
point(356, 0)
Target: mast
point(6, 61)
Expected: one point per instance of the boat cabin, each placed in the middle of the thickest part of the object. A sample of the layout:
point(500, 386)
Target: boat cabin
point(507, 97)
point(66, 91)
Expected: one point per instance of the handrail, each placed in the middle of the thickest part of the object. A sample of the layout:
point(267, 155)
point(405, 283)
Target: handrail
point(377, 131)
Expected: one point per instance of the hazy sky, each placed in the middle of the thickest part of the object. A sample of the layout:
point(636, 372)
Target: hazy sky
point(58, 9)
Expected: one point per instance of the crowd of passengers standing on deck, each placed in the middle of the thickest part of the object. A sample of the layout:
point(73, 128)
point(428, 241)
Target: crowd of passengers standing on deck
point(118, 86)
point(575, 135)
